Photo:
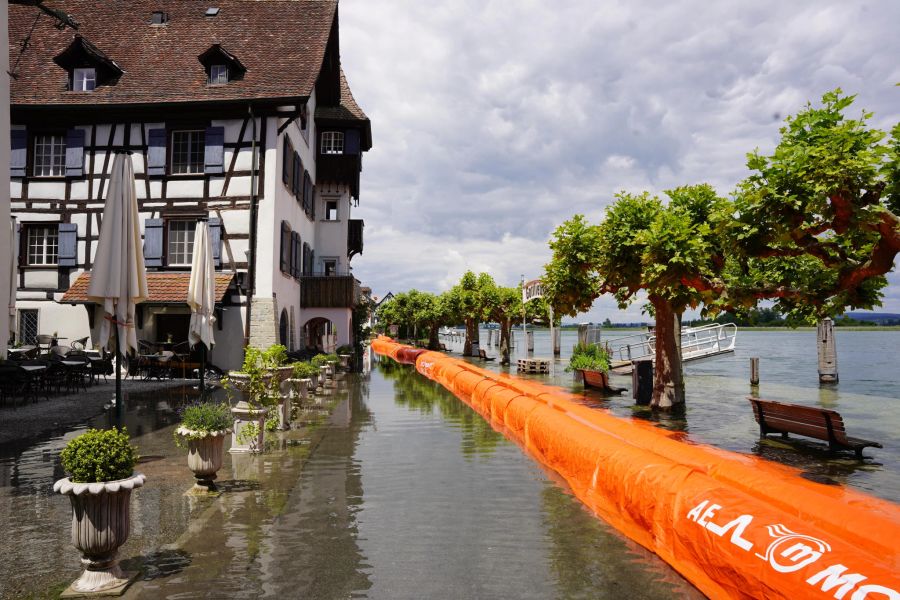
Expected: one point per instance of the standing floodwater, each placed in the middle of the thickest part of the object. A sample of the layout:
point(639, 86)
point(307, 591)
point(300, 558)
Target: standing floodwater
point(414, 495)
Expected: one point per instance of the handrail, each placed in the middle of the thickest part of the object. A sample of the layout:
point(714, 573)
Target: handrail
point(696, 343)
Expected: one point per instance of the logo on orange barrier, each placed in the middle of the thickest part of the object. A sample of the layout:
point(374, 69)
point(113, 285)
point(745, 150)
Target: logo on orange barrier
point(791, 551)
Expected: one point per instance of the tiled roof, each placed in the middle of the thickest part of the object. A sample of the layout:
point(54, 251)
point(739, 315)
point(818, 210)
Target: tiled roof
point(281, 42)
point(164, 288)
point(349, 110)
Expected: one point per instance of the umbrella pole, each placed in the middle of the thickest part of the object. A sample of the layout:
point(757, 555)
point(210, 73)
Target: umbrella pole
point(118, 383)
point(202, 366)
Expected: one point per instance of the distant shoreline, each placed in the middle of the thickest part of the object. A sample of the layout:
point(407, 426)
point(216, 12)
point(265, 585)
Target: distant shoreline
point(745, 327)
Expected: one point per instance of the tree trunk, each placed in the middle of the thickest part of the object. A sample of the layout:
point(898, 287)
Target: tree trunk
point(505, 328)
point(433, 342)
point(668, 376)
point(467, 346)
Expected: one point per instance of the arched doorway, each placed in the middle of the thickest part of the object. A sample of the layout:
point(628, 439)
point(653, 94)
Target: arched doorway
point(284, 329)
point(320, 334)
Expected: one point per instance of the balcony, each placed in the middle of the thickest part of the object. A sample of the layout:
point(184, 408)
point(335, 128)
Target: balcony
point(339, 168)
point(329, 291)
point(354, 237)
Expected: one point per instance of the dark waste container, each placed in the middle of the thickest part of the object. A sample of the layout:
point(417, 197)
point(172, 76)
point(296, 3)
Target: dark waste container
point(642, 381)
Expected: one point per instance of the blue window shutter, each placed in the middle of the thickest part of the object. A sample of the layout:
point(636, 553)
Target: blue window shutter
point(298, 169)
point(153, 242)
point(75, 153)
point(351, 141)
point(156, 152)
point(215, 152)
point(18, 157)
point(215, 239)
point(68, 245)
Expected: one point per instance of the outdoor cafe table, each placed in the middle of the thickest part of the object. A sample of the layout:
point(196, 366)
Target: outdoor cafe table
point(34, 368)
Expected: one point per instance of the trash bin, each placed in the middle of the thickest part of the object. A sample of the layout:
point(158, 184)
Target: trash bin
point(642, 381)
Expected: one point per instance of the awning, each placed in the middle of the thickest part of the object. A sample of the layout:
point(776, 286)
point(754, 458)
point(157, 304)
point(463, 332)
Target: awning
point(163, 288)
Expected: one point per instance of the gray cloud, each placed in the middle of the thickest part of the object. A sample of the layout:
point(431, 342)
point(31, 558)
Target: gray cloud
point(495, 121)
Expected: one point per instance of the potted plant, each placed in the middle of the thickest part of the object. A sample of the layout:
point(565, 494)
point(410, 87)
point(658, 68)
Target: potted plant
point(100, 465)
point(302, 379)
point(255, 383)
point(275, 359)
point(591, 361)
point(203, 430)
point(345, 353)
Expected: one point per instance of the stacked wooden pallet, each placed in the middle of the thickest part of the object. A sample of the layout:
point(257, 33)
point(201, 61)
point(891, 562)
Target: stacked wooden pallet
point(533, 365)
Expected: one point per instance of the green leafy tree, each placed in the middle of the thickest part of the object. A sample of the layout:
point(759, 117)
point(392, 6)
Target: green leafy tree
point(643, 245)
point(816, 224)
point(469, 300)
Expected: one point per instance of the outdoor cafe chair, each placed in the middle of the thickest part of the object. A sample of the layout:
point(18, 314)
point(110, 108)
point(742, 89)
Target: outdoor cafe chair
point(14, 383)
point(80, 343)
point(44, 342)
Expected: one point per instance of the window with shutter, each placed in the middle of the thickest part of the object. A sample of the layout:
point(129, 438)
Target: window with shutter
point(285, 247)
point(287, 163)
point(215, 240)
point(214, 155)
point(156, 152)
point(75, 153)
point(153, 242)
point(68, 245)
point(297, 179)
point(351, 141)
point(18, 157)
point(295, 255)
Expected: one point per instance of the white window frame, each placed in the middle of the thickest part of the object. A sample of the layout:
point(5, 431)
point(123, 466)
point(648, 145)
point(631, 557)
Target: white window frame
point(218, 74)
point(332, 142)
point(180, 242)
point(41, 244)
point(49, 155)
point(337, 210)
point(84, 79)
point(196, 144)
point(330, 259)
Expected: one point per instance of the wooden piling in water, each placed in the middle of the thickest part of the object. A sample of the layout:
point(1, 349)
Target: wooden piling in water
point(754, 371)
point(828, 369)
point(529, 338)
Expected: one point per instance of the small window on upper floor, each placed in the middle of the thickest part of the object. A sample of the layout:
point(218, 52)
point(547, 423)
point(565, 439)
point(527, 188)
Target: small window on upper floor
point(331, 210)
point(84, 79)
point(332, 142)
point(41, 244)
point(188, 151)
point(180, 247)
point(49, 155)
point(218, 74)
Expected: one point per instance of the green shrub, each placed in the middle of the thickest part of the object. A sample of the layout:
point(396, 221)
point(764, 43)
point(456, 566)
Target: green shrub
point(590, 357)
point(274, 356)
point(207, 416)
point(99, 455)
point(345, 349)
point(319, 360)
point(304, 370)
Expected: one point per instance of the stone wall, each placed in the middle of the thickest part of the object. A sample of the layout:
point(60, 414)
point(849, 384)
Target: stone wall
point(264, 322)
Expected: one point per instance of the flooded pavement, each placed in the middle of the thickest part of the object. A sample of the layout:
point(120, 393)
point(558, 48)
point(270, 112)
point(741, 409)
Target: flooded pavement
point(401, 492)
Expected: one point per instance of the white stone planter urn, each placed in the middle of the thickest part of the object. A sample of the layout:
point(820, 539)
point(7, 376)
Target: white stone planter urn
point(299, 389)
point(283, 373)
point(243, 439)
point(101, 522)
point(205, 453)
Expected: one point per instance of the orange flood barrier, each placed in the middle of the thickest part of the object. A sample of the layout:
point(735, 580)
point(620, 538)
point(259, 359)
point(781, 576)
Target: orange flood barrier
point(736, 526)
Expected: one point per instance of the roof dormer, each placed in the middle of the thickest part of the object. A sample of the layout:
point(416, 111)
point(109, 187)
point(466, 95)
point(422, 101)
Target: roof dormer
point(221, 66)
point(87, 65)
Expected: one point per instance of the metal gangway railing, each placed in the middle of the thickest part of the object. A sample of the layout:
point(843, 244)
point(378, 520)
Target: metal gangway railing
point(696, 343)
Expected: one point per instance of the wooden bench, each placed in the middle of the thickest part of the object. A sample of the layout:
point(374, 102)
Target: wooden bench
point(817, 423)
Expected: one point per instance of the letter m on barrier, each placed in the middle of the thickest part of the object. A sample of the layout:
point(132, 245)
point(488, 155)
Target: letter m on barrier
point(834, 576)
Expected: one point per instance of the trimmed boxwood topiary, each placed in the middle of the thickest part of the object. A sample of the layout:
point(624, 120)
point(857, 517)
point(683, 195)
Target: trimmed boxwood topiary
point(99, 455)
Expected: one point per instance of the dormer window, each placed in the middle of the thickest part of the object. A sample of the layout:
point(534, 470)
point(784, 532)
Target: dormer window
point(87, 65)
point(84, 79)
point(221, 66)
point(218, 74)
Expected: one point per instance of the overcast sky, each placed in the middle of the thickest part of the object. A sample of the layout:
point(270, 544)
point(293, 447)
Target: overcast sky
point(494, 121)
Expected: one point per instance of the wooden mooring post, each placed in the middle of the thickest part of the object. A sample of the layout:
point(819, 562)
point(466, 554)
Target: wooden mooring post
point(557, 341)
point(828, 368)
point(754, 371)
point(529, 338)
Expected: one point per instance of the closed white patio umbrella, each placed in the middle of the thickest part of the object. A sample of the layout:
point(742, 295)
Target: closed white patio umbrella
point(201, 294)
point(118, 276)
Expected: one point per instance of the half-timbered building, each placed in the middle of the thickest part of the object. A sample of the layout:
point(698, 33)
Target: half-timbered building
point(234, 111)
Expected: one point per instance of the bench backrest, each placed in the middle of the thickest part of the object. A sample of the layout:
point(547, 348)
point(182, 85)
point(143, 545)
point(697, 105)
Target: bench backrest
point(796, 418)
